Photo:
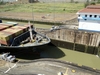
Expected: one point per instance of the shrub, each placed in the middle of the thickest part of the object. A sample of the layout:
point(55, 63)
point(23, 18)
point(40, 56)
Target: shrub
point(72, 1)
point(98, 1)
point(86, 4)
point(2, 3)
point(76, 2)
point(92, 3)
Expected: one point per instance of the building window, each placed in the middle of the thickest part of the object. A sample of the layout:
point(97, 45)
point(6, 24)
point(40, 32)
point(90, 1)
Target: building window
point(85, 15)
point(90, 15)
point(95, 16)
point(78, 20)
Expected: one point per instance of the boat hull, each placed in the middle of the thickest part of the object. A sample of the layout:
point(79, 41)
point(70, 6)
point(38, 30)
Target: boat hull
point(28, 47)
point(14, 49)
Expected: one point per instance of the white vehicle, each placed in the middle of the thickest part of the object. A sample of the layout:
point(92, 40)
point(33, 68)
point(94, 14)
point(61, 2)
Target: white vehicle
point(8, 57)
point(54, 28)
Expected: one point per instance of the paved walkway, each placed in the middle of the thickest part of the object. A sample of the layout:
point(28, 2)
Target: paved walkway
point(45, 67)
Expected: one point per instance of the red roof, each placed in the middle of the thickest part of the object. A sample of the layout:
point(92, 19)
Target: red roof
point(91, 9)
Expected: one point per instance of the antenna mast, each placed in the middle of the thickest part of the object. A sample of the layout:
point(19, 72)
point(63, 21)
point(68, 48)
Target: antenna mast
point(54, 13)
point(30, 30)
point(33, 16)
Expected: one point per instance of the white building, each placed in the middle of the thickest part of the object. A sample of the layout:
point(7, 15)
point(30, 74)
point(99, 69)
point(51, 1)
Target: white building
point(89, 18)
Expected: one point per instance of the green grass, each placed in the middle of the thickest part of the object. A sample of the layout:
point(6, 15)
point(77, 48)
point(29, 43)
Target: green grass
point(43, 7)
point(35, 24)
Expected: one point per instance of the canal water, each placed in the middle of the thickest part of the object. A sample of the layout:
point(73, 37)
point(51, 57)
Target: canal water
point(63, 54)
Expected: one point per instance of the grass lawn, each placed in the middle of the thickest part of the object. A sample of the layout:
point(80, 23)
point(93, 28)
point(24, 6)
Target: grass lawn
point(43, 7)
point(36, 25)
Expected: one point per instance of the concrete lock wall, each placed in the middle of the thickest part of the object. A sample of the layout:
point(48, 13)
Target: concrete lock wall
point(75, 36)
point(75, 40)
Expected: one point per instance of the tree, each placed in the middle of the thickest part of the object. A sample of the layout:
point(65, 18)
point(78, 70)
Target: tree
point(98, 1)
point(87, 3)
point(72, 1)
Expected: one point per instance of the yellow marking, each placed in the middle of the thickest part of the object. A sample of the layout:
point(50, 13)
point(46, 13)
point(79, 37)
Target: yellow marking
point(94, 68)
point(66, 73)
point(79, 65)
point(73, 71)
point(22, 44)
